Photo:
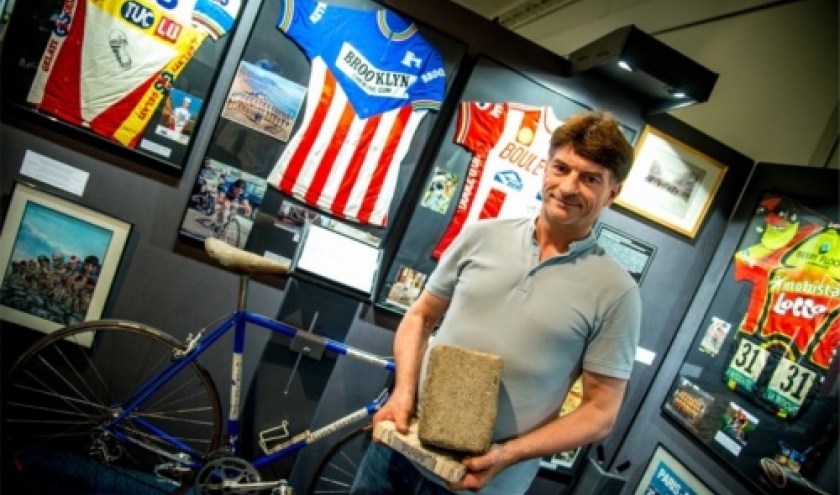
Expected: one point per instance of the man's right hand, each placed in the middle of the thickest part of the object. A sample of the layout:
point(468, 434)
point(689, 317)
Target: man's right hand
point(398, 409)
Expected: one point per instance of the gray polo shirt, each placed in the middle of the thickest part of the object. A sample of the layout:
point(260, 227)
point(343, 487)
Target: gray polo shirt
point(547, 320)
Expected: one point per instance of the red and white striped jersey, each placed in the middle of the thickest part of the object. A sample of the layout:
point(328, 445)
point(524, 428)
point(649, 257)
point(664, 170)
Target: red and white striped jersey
point(509, 142)
point(373, 79)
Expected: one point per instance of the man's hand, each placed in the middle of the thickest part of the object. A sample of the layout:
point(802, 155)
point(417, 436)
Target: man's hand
point(482, 468)
point(398, 409)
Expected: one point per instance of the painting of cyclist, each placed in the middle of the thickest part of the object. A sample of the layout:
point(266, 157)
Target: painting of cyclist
point(233, 196)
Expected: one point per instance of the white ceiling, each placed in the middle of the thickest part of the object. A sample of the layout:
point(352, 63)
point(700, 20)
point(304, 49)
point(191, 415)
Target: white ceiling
point(777, 93)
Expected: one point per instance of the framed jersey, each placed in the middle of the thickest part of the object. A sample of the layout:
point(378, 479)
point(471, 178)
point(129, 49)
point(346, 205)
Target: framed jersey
point(333, 107)
point(129, 77)
point(489, 165)
point(759, 384)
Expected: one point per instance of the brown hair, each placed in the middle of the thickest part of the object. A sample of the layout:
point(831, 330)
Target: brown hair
point(596, 137)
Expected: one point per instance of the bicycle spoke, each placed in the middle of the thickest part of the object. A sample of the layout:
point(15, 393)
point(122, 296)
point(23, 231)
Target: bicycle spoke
point(337, 469)
point(62, 396)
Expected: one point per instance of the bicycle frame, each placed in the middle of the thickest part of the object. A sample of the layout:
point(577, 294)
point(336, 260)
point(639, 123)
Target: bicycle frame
point(198, 344)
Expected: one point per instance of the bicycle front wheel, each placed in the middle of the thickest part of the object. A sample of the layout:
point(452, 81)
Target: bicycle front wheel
point(337, 468)
point(230, 233)
point(61, 392)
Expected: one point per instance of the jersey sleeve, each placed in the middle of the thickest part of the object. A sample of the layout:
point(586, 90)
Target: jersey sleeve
point(430, 89)
point(480, 125)
point(306, 22)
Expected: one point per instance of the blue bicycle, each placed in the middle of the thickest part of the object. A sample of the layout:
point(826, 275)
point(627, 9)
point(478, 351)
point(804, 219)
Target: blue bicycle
point(106, 405)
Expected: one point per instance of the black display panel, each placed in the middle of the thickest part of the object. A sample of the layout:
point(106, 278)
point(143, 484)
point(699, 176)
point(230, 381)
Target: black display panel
point(442, 195)
point(759, 387)
point(265, 110)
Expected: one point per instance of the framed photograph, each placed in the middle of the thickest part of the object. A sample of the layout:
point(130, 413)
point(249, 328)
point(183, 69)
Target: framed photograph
point(58, 260)
point(224, 203)
point(671, 183)
point(665, 475)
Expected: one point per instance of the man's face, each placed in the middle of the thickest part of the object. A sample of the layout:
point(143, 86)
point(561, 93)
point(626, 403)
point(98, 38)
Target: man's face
point(575, 190)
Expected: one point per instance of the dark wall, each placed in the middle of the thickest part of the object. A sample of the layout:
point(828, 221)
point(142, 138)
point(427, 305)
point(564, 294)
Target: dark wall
point(173, 286)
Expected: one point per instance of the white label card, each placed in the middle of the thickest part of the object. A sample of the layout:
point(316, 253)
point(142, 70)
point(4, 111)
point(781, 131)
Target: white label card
point(55, 173)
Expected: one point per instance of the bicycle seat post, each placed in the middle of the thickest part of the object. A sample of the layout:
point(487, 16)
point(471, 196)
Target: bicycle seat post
point(242, 302)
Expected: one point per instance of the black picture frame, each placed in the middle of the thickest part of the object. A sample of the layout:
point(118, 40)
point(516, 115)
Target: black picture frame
point(490, 82)
point(738, 416)
point(632, 253)
point(241, 147)
point(165, 137)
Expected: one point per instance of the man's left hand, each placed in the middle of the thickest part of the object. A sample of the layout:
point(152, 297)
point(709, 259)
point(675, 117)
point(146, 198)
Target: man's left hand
point(481, 469)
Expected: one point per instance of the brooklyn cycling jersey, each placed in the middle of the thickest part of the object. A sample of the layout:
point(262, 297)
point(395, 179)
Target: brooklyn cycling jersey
point(510, 144)
point(109, 63)
point(374, 77)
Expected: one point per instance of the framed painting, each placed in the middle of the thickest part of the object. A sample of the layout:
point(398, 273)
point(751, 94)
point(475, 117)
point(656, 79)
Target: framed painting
point(665, 475)
point(671, 183)
point(58, 260)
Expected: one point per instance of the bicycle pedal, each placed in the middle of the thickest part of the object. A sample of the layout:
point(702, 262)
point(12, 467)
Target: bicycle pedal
point(171, 472)
point(282, 489)
point(273, 434)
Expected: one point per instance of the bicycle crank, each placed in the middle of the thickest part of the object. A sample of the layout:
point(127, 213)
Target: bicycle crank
point(228, 475)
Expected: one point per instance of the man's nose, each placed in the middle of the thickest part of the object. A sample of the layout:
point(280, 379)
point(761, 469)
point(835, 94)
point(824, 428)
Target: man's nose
point(569, 183)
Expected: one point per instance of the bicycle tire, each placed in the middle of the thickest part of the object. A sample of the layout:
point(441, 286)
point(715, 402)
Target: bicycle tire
point(58, 393)
point(337, 468)
point(230, 233)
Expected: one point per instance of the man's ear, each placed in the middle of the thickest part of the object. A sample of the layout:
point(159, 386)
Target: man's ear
point(615, 190)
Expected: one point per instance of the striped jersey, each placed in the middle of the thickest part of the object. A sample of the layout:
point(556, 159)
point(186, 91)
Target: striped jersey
point(110, 63)
point(373, 79)
point(509, 143)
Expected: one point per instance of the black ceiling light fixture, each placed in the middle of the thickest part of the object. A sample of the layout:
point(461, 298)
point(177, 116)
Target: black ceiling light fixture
point(662, 77)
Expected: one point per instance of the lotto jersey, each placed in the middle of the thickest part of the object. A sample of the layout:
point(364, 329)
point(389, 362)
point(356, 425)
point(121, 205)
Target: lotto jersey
point(373, 79)
point(509, 143)
point(795, 302)
point(109, 63)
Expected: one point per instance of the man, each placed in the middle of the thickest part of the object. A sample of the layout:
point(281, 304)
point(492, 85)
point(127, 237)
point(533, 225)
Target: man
point(234, 195)
point(181, 116)
point(545, 297)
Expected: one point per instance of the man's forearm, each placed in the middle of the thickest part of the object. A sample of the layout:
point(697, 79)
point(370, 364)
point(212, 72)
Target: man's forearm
point(410, 344)
point(560, 435)
point(590, 422)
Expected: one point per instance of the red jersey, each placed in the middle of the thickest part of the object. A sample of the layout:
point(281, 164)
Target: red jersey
point(510, 144)
point(795, 301)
